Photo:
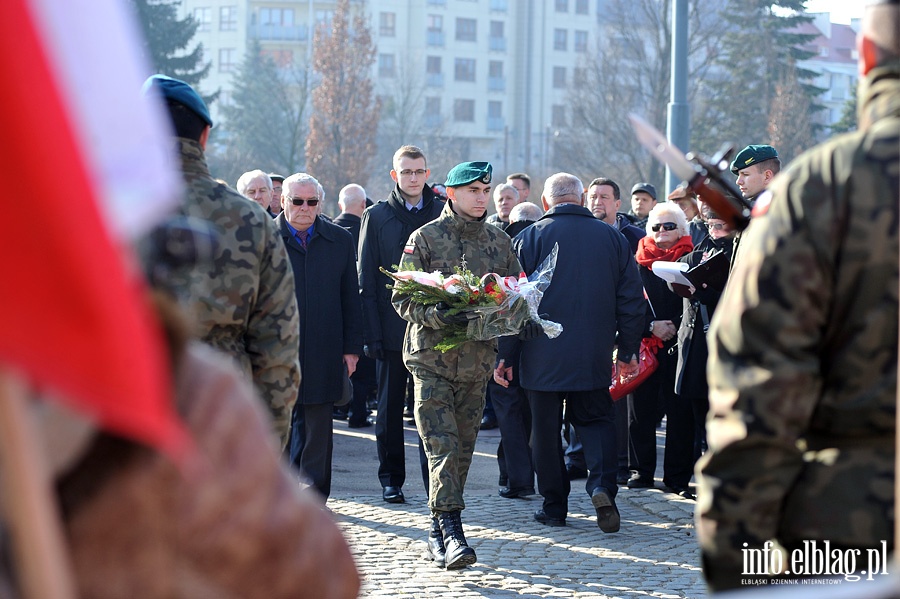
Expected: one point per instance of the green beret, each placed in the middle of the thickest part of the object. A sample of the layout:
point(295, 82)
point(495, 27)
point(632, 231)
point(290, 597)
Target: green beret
point(176, 90)
point(465, 173)
point(751, 155)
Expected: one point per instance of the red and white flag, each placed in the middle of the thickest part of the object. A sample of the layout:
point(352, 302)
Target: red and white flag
point(86, 165)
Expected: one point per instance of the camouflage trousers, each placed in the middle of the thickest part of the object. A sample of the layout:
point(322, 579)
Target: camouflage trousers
point(448, 416)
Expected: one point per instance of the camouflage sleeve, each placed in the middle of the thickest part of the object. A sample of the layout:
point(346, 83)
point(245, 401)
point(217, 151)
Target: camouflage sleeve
point(273, 332)
point(764, 372)
point(416, 256)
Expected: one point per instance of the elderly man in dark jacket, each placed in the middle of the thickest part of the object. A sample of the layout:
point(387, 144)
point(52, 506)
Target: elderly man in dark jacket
point(324, 261)
point(592, 299)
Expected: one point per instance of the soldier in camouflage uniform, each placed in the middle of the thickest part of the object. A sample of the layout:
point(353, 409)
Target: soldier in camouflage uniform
point(803, 365)
point(449, 387)
point(245, 304)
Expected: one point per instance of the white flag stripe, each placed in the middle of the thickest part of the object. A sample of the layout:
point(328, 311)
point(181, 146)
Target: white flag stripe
point(93, 50)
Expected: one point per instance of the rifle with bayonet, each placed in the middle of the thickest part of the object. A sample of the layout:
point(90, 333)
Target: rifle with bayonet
point(710, 179)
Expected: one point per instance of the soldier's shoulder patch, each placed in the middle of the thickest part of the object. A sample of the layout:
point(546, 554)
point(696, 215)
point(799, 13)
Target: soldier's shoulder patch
point(762, 204)
point(409, 248)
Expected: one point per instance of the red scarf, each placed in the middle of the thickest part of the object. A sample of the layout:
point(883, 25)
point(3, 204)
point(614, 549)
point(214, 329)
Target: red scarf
point(648, 252)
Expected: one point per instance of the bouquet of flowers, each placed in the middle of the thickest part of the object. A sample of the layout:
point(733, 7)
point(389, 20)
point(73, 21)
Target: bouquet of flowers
point(495, 305)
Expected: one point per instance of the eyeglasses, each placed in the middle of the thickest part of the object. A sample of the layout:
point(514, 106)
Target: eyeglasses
point(419, 172)
point(664, 226)
point(716, 226)
point(300, 201)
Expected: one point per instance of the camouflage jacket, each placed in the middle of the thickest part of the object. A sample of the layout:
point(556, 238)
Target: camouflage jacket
point(441, 245)
point(245, 304)
point(803, 355)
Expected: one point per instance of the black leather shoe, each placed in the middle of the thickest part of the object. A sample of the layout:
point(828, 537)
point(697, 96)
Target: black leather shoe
point(457, 554)
point(488, 423)
point(393, 495)
point(639, 482)
point(682, 492)
point(622, 478)
point(575, 472)
point(542, 517)
point(517, 493)
point(607, 513)
point(338, 414)
point(435, 543)
point(367, 422)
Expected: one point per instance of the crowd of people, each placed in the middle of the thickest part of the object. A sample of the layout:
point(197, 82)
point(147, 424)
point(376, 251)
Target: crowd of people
point(282, 318)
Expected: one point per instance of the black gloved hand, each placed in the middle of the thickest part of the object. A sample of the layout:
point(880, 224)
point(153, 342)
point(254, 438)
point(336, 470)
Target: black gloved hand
point(530, 330)
point(374, 350)
point(441, 310)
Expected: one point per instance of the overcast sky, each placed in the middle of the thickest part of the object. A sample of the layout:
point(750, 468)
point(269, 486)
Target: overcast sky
point(841, 10)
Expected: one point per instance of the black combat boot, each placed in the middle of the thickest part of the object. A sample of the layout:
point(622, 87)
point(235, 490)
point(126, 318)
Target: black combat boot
point(435, 544)
point(458, 554)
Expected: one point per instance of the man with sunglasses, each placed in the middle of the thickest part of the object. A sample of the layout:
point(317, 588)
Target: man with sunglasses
point(385, 228)
point(323, 257)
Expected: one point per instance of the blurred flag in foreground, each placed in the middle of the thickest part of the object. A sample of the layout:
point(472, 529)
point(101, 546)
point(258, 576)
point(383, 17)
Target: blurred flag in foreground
point(86, 167)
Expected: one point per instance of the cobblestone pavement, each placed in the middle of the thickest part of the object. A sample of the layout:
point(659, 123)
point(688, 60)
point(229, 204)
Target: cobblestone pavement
point(654, 555)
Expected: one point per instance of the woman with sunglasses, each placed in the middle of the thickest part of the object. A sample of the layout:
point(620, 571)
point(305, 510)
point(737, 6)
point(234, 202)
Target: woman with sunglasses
point(667, 240)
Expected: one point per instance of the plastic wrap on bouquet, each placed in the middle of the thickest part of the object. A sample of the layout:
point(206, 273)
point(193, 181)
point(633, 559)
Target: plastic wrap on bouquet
point(495, 306)
point(518, 301)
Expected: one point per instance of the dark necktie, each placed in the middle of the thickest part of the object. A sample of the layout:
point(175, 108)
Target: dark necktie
point(414, 210)
point(303, 235)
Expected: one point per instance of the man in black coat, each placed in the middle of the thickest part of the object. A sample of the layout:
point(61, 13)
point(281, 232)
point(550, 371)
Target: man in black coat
point(324, 262)
point(592, 299)
point(385, 228)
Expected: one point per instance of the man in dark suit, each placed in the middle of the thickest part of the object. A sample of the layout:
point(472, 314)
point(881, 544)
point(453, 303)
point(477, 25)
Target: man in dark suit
point(352, 201)
point(593, 300)
point(324, 262)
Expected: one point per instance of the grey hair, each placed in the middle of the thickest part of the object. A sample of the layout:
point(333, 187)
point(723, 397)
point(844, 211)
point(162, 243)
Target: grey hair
point(671, 209)
point(245, 179)
point(503, 187)
point(561, 185)
point(303, 178)
point(525, 211)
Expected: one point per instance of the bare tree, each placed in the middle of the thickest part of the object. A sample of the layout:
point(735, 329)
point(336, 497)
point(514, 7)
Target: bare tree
point(345, 115)
point(629, 72)
point(790, 127)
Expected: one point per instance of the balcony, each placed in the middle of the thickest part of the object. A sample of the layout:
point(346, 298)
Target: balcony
point(271, 33)
point(495, 123)
point(497, 84)
point(435, 38)
point(434, 80)
point(497, 44)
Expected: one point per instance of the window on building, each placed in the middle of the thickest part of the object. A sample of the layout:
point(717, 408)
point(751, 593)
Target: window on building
point(562, 5)
point(464, 111)
point(579, 76)
point(560, 39)
point(559, 77)
point(203, 16)
point(433, 106)
point(228, 16)
point(465, 69)
point(227, 58)
point(466, 30)
point(324, 17)
point(435, 23)
point(497, 29)
point(386, 67)
point(281, 58)
point(433, 65)
point(580, 41)
point(281, 17)
point(581, 7)
point(387, 24)
point(495, 109)
point(495, 69)
point(558, 115)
